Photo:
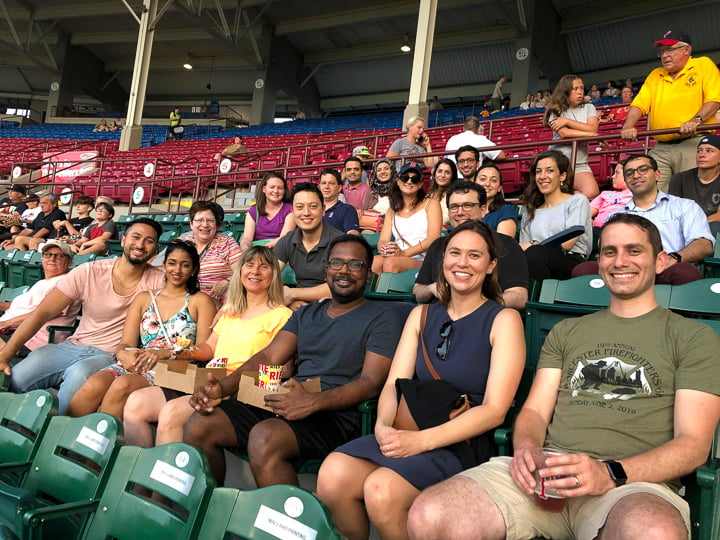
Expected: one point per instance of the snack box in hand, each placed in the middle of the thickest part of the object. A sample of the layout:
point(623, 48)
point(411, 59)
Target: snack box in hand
point(249, 392)
point(183, 376)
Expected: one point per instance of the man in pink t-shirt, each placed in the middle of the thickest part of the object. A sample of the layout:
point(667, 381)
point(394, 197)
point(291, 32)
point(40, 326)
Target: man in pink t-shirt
point(356, 193)
point(105, 288)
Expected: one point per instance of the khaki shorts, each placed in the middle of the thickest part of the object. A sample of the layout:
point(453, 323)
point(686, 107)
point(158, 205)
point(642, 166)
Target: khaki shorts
point(582, 518)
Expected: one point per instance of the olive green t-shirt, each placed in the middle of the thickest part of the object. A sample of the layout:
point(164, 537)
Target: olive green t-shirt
point(619, 378)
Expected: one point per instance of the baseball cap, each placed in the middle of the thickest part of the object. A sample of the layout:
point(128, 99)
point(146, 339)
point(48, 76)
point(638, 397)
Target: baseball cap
point(64, 247)
point(712, 140)
point(362, 151)
point(19, 188)
point(411, 167)
point(671, 37)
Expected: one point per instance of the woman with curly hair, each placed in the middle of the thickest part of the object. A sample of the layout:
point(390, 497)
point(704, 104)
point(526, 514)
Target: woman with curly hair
point(569, 117)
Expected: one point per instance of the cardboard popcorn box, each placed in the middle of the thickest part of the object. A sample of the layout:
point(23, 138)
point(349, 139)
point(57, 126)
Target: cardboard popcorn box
point(249, 392)
point(183, 376)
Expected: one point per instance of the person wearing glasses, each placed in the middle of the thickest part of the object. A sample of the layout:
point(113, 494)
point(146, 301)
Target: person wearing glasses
point(683, 94)
point(472, 135)
point(345, 340)
point(411, 225)
point(219, 252)
point(271, 217)
point(685, 232)
point(466, 201)
point(551, 208)
point(96, 235)
point(474, 344)
point(56, 260)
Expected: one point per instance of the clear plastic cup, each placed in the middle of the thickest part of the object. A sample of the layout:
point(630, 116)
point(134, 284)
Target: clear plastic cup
point(546, 498)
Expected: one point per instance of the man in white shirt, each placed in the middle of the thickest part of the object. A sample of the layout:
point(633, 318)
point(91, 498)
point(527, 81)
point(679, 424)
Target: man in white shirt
point(473, 137)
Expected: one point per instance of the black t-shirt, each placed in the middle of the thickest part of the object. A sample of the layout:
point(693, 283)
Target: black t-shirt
point(77, 222)
point(46, 221)
point(512, 264)
point(685, 184)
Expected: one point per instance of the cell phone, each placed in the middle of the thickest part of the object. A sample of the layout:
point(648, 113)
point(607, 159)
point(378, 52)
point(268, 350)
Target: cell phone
point(421, 139)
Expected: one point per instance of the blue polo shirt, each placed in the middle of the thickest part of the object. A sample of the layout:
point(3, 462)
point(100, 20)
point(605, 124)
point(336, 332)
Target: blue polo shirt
point(343, 217)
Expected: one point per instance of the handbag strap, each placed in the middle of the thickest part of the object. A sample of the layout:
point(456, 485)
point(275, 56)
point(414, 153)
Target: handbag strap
point(400, 236)
point(428, 363)
point(160, 321)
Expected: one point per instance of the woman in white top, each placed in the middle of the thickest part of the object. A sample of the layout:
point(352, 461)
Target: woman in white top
point(569, 117)
point(412, 220)
point(550, 208)
point(382, 178)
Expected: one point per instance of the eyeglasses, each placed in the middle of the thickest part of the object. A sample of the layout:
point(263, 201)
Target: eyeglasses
point(669, 50)
point(49, 256)
point(354, 265)
point(444, 346)
point(468, 206)
point(467, 161)
point(415, 179)
point(204, 220)
point(101, 209)
point(642, 169)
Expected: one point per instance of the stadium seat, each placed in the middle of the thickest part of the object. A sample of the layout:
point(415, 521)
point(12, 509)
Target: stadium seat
point(263, 514)
point(6, 258)
point(71, 465)
point(80, 259)
point(16, 267)
point(393, 287)
point(288, 276)
point(8, 294)
point(159, 492)
point(23, 420)
point(32, 269)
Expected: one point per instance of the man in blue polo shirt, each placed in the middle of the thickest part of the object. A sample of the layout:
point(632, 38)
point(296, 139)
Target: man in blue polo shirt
point(338, 214)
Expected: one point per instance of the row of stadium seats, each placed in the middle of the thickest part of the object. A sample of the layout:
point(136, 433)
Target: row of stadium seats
point(71, 478)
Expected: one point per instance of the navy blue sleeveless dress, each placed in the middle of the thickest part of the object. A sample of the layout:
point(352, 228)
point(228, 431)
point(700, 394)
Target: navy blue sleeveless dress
point(466, 366)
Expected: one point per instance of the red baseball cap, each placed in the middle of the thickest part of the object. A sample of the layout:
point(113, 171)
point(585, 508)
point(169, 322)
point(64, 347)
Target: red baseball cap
point(671, 37)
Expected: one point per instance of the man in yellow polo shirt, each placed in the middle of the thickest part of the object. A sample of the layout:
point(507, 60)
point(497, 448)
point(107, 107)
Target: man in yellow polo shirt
point(684, 93)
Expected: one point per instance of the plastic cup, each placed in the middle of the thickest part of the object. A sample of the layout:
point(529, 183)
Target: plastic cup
point(546, 498)
point(269, 377)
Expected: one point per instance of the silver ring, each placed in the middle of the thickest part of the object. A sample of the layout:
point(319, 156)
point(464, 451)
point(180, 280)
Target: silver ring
point(577, 482)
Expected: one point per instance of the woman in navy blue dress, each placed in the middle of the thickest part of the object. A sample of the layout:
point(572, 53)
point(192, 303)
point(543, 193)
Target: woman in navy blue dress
point(473, 343)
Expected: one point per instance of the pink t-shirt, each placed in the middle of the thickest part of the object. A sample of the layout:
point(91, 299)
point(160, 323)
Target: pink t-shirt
point(609, 203)
point(27, 302)
point(104, 311)
point(359, 196)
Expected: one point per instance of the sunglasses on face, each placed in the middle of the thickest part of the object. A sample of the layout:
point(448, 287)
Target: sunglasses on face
point(415, 179)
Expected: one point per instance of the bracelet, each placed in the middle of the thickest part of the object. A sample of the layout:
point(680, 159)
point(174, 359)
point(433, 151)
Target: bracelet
point(534, 242)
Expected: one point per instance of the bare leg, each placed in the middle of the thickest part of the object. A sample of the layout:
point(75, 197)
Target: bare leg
point(388, 497)
point(142, 408)
point(646, 516)
point(119, 390)
point(90, 395)
point(586, 184)
point(400, 264)
point(340, 487)
point(211, 434)
point(271, 447)
point(454, 509)
point(378, 263)
point(173, 417)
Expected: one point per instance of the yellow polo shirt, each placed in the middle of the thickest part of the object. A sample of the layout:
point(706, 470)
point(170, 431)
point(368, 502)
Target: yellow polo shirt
point(670, 102)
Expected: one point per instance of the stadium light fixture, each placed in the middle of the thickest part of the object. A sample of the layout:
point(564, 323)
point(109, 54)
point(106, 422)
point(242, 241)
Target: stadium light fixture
point(188, 65)
point(405, 47)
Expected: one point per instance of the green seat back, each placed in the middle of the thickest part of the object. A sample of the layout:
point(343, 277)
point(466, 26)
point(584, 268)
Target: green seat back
point(22, 425)
point(288, 276)
point(8, 294)
point(177, 472)
point(267, 513)
point(80, 259)
point(16, 269)
point(700, 298)
point(71, 464)
point(393, 287)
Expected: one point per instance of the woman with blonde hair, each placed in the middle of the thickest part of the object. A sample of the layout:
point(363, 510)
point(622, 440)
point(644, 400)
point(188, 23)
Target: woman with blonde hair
point(253, 313)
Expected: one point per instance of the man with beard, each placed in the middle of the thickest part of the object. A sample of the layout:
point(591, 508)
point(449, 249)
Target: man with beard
point(346, 341)
point(105, 288)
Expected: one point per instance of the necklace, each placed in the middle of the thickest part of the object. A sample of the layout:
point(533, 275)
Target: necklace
point(118, 283)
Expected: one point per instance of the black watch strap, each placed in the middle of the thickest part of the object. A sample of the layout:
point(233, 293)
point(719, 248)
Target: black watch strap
point(675, 255)
point(617, 472)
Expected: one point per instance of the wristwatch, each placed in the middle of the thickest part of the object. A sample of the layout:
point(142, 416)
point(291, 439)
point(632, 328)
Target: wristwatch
point(617, 472)
point(698, 118)
point(675, 255)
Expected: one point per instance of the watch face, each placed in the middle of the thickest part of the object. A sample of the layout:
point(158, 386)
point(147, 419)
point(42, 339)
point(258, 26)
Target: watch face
point(617, 472)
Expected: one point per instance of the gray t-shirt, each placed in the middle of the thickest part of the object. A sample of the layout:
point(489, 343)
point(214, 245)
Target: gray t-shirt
point(405, 148)
point(309, 268)
point(575, 210)
point(334, 348)
point(685, 184)
point(579, 114)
